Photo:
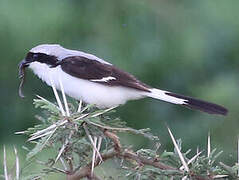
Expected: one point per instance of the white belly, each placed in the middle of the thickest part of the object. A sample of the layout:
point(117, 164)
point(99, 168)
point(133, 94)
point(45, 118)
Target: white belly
point(90, 92)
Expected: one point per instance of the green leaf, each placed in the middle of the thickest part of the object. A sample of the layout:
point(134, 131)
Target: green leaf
point(45, 104)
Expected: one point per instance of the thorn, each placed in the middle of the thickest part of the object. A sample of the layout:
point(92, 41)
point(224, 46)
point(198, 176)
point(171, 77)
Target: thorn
point(47, 130)
point(238, 154)
point(5, 163)
point(185, 177)
point(64, 97)
point(219, 176)
point(17, 164)
point(80, 106)
point(92, 142)
point(93, 157)
point(178, 151)
point(109, 109)
point(63, 164)
point(63, 146)
point(191, 160)
point(208, 145)
point(98, 148)
point(57, 96)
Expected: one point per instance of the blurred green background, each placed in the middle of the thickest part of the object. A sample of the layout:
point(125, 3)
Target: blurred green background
point(188, 47)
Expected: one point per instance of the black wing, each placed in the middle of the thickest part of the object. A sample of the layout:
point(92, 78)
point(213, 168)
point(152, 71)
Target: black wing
point(95, 71)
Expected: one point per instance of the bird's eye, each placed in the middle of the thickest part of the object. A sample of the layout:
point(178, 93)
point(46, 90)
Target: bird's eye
point(35, 56)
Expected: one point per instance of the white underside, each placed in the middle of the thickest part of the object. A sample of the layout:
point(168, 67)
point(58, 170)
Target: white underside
point(94, 93)
point(90, 92)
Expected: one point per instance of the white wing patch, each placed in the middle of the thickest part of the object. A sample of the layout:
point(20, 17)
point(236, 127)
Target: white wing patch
point(104, 79)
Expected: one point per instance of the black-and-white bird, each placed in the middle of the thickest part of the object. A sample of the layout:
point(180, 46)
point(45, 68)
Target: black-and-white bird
point(95, 81)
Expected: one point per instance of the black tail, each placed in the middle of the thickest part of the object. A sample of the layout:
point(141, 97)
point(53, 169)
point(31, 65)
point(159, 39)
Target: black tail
point(201, 105)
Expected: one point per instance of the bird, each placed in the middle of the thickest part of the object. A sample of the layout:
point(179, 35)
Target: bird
point(95, 81)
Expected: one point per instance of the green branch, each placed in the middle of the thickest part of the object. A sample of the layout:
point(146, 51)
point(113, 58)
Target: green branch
point(89, 137)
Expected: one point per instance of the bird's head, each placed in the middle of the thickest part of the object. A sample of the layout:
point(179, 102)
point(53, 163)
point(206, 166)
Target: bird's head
point(46, 53)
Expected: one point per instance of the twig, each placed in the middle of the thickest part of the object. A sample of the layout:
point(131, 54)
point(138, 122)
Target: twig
point(109, 128)
point(115, 140)
point(59, 170)
point(119, 153)
point(126, 154)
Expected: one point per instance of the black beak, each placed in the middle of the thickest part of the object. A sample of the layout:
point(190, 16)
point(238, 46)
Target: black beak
point(23, 64)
